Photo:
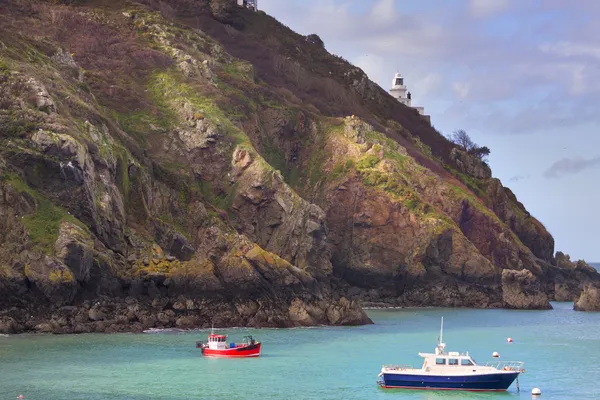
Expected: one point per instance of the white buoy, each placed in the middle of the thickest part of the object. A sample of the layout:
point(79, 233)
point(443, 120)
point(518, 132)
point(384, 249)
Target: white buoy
point(509, 340)
point(495, 354)
point(536, 392)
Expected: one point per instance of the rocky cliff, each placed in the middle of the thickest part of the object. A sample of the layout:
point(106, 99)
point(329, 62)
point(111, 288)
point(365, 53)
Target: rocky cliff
point(189, 162)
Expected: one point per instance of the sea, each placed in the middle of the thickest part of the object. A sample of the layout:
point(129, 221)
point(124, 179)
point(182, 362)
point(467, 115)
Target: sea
point(560, 348)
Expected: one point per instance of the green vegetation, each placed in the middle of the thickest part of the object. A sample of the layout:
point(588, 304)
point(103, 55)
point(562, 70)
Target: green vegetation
point(169, 90)
point(342, 168)
point(44, 224)
point(122, 172)
point(239, 69)
point(221, 201)
point(15, 126)
point(4, 70)
point(477, 186)
point(367, 161)
point(391, 148)
point(60, 276)
point(318, 156)
point(138, 123)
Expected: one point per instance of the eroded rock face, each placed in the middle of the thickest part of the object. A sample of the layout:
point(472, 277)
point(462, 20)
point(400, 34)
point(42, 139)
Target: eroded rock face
point(589, 300)
point(470, 165)
point(522, 290)
point(276, 217)
point(530, 231)
point(75, 247)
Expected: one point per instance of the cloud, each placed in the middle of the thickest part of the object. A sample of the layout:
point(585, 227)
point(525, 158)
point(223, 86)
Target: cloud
point(486, 8)
point(461, 89)
point(567, 166)
point(427, 84)
point(518, 178)
point(570, 49)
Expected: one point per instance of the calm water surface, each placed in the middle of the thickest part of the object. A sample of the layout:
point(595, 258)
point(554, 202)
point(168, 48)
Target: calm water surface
point(560, 347)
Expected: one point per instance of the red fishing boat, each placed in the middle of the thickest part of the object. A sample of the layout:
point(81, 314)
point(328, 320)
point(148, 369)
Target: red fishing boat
point(217, 346)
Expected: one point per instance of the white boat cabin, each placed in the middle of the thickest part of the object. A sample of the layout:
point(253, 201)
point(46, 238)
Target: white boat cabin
point(443, 360)
point(217, 342)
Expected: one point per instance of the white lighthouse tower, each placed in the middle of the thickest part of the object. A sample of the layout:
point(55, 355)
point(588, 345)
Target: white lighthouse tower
point(401, 93)
point(399, 90)
point(251, 4)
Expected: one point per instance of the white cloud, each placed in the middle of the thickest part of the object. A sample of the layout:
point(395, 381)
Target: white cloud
point(569, 49)
point(427, 84)
point(461, 89)
point(571, 166)
point(486, 8)
point(383, 11)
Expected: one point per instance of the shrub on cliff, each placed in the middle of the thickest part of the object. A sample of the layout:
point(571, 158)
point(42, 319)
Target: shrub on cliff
point(222, 9)
point(315, 39)
point(462, 139)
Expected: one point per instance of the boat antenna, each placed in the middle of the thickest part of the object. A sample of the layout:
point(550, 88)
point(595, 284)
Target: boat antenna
point(441, 345)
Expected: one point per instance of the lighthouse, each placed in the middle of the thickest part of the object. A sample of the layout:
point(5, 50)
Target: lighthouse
point(401, 93)
point(251, 4)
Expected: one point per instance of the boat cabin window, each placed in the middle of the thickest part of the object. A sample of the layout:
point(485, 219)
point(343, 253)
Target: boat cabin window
point(465, 361)
point(453, 361)
point(440, 361)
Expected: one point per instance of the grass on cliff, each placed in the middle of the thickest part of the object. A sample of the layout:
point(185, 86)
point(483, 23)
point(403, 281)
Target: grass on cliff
point(385, 167)
point(44, 224)
point(169, 89)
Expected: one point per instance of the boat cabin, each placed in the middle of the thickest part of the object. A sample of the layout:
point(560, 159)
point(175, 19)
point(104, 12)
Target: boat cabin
point(443, 359)
point(217, 342)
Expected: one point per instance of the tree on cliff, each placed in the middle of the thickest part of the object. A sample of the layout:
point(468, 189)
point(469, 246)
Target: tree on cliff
point(222, 9)
point(461, 138)
point(315, 39)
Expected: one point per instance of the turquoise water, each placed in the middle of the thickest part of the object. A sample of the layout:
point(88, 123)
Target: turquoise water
point(560, 347)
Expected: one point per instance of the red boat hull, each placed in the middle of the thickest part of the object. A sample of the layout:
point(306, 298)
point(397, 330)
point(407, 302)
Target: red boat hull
point(252, 350)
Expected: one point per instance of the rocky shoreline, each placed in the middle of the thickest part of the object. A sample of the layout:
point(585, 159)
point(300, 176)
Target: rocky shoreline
point(136, 315)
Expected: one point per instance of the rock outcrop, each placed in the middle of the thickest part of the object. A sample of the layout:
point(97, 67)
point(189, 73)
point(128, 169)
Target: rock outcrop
point(470, 165)
point(520, 289)
point(589, 300)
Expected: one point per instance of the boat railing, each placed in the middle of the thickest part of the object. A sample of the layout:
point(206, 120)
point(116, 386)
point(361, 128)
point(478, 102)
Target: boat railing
point(507, 365)
point(397, 367)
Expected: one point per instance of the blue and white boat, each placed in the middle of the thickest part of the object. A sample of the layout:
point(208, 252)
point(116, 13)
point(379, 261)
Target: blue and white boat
point(451, 371)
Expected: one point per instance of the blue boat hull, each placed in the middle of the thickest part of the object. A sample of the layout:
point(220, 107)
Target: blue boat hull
point(488, 382)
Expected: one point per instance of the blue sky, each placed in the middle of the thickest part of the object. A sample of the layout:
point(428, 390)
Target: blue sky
point(520, 76)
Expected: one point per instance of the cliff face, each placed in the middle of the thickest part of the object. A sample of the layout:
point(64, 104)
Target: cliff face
point(163, 168)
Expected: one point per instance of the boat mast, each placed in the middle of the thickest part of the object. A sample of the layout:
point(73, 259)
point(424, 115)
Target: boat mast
point(441, 345)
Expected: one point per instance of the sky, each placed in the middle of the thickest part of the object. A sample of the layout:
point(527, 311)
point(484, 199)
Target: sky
point(522, 77)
